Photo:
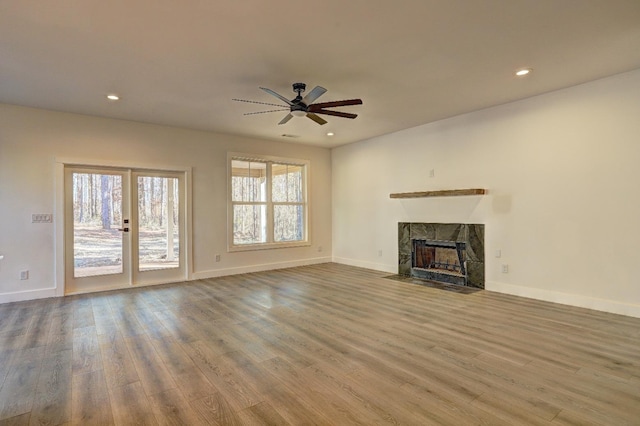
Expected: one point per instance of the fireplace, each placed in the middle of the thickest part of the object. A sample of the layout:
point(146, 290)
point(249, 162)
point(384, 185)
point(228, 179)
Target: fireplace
point(442, 252)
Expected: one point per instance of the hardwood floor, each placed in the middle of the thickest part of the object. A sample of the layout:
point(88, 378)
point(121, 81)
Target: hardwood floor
point(326, 344)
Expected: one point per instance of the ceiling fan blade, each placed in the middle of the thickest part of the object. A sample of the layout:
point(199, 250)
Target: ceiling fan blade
point(272, 93)
point(313, 95)
point(333, 104)
point(336, 113)
point(286, 118)
point(264, 112)
point(317, 119)
point(255, 102)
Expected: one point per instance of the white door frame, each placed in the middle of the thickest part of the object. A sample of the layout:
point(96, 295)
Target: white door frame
point(59, 208)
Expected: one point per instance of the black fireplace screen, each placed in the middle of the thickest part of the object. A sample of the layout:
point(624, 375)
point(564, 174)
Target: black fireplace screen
point(446, 256)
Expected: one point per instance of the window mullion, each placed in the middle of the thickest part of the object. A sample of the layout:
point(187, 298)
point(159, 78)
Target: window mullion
point(305, 204)
point(270, 214)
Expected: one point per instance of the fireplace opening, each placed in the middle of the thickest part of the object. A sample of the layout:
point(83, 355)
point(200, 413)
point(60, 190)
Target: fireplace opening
point(443, 261)
point(448, 253)
point(443, 256)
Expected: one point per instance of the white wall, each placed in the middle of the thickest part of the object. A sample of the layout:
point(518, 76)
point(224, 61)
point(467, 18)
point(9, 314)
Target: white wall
point(562, 170)
point(32, 139)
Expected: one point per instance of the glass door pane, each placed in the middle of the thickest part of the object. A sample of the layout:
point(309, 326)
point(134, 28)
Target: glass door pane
point(97, 218)
point(158, 223)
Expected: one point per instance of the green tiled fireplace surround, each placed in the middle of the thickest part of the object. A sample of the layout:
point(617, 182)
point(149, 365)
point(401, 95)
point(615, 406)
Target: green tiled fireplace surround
point(470, 234)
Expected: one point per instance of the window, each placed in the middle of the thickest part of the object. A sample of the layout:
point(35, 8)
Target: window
point(268, 202)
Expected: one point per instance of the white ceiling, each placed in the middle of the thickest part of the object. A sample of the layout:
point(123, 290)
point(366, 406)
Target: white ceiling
point(180, 62)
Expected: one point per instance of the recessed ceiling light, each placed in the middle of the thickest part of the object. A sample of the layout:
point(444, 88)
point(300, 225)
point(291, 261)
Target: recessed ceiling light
point(113, 97)
point(330, 134)
point(522, 72)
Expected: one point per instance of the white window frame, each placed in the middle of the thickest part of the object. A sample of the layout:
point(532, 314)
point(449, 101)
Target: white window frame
point(270, 243)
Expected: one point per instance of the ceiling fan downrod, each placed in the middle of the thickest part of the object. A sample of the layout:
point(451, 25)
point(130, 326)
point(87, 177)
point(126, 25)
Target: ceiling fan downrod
point(299, 88)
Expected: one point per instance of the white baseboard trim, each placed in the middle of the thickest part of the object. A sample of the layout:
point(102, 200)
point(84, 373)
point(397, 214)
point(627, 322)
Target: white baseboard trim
point(20, 296)
point(368, 265)
point(51, 292)
point(604, 305)
point(611, 306)
point(214, 273)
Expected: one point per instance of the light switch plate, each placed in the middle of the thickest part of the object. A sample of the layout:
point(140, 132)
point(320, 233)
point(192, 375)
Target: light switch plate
point(41, 218)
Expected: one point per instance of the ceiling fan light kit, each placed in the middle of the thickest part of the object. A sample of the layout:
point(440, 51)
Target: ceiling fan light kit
point(301, 107)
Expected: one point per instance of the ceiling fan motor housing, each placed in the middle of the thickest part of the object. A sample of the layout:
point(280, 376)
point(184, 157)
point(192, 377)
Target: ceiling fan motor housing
point(298, 109)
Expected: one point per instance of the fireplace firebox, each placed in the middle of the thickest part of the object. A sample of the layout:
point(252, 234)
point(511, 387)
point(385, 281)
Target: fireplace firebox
point(442, 261)
point(442, 252)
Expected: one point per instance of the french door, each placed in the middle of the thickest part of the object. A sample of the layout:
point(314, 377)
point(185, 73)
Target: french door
point(123, 227)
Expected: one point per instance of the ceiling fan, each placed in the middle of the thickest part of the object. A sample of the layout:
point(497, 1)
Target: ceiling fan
point(300, 107)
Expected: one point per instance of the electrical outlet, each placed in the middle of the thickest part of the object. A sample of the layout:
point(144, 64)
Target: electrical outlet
point(498, 253)
point(319, 249)
point(505, 269)
point(432, 173)
point(217, 258)
point(24, 275)
point(379, 253)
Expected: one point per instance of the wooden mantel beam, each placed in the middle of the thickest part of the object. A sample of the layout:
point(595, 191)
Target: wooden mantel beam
point(441, 193)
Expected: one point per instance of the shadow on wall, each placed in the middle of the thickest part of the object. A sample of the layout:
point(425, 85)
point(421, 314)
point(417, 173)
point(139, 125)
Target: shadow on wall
point(501, 204)
point(441, 209)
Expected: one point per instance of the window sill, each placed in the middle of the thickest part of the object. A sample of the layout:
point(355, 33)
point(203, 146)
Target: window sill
point(267, 246)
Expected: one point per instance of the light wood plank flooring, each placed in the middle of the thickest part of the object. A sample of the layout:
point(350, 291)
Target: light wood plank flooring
point(326, 344)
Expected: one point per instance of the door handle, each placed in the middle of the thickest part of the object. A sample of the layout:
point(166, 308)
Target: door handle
point(123, 229)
